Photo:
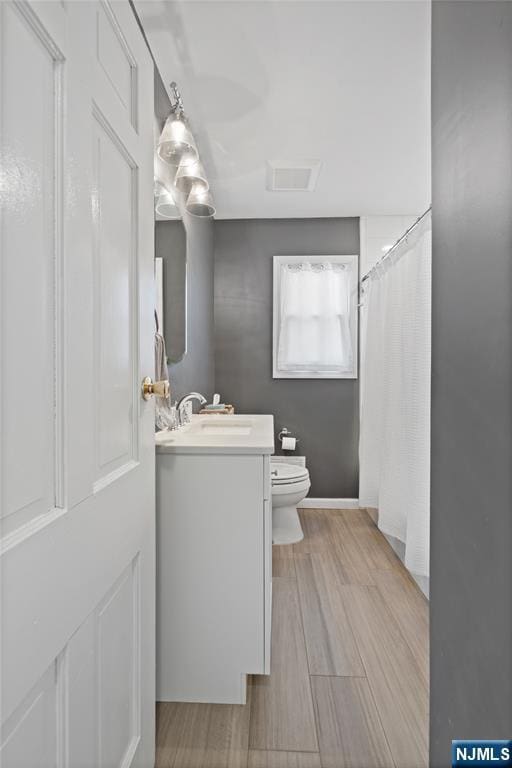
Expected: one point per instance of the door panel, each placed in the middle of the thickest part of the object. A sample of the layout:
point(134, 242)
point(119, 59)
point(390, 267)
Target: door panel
point(28, 300)
point(118, 670)
point(117, 61)
point(115, 290)
point(31, 734)
point(81, 656)
point(76, 440)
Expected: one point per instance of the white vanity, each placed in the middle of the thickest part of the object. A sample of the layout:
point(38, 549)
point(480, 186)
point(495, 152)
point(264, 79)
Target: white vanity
point(214, 557)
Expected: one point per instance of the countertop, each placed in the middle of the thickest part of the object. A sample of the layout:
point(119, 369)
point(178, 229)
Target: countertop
point(222, 434)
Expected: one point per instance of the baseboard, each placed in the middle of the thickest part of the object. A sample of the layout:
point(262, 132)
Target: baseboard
point(310, 503)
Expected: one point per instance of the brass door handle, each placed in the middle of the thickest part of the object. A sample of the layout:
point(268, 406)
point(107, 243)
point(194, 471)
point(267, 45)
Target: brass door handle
point(150, 387)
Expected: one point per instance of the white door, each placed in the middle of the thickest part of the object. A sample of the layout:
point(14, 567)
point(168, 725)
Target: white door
point(76, 439)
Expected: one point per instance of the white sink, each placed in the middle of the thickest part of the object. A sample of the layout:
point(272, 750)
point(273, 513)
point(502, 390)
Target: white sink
point(220, 434)
point(223, 428)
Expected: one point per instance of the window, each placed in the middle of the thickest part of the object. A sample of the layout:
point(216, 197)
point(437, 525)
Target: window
point(315, 317)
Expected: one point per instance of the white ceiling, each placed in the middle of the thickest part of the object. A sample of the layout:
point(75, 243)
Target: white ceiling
point(346, 83)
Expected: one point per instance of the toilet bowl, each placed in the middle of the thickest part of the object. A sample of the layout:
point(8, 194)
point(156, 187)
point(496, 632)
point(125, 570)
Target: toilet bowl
point(290, 485)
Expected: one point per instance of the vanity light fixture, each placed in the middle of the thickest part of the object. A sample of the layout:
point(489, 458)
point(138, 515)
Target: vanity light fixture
point(177, 146)
point(180, 179)
point(199, 202)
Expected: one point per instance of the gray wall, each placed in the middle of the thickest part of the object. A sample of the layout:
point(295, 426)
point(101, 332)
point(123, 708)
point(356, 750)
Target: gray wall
point(471, 569)
point(323, 413)
point(196, 370)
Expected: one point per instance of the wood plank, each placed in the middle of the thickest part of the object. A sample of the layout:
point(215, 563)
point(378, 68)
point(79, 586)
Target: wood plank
point(282, 561)
point(352, 565)
point(359, 545)
point(410, 609)
point(282, 716)
point(377, 552)
point(330, 644)
point(317, 532)
point(350, 733)
point(395, 679)
point(202, 735)
point(259, 758)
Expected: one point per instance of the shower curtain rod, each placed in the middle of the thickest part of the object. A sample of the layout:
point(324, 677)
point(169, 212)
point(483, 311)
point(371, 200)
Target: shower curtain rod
point(400, 240)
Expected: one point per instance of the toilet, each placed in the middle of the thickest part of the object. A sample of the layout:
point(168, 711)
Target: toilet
point(290, 485)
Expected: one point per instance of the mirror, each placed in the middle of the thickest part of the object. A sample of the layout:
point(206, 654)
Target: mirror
point(171, 282)
point(170, 244)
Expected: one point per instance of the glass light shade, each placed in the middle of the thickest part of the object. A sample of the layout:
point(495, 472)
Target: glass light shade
point(199, 202)
point(188, 176)
point(176, 145)
point(158, 188)
point(166, 207)
point(164, 175)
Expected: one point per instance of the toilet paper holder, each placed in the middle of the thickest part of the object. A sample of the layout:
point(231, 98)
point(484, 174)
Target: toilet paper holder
point(285, 432)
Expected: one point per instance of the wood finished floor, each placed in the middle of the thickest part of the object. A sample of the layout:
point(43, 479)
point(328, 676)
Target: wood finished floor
point(349, 679)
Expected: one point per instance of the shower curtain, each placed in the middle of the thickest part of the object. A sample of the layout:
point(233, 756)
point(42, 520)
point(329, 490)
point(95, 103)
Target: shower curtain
point(394, 449)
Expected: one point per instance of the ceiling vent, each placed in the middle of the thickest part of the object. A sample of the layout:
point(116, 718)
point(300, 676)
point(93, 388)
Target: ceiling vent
point(293, 176)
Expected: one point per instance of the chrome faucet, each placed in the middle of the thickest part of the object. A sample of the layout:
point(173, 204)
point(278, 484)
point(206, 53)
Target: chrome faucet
point(180, 414)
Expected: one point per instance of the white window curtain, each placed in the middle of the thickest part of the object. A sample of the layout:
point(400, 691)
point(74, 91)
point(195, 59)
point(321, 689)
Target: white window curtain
point(314, 318)
point(394, 450)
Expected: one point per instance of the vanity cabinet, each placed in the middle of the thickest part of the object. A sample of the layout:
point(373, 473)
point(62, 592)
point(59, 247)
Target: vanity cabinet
point(214, 571)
